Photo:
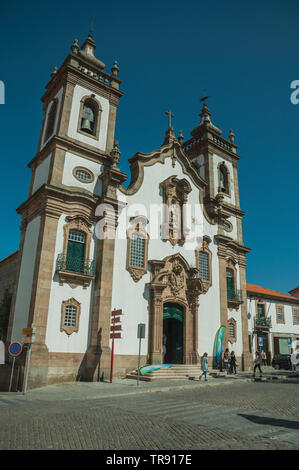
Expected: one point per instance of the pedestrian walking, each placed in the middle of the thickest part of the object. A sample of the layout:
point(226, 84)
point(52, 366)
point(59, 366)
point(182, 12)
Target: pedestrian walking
point(264, 358)
point(233, 363)
point(226, 358)
point(257, 363)
point(204, 366)
point(294, 360)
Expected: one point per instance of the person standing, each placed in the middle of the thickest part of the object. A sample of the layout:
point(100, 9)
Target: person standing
point(294, 360)
point(264, 358)
point(257, 363)
point(204, 366)
point(233, 368)
point(226, 359)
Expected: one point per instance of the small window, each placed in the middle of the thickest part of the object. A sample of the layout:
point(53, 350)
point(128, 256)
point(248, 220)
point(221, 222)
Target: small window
point(137, 250)
point(231, 330)
point(296, 316)
point(70, 315)
point(261, 310)
point(83, 174)
point(230, 284)
point(223, 179)
point(204, 271)
point(279, 314)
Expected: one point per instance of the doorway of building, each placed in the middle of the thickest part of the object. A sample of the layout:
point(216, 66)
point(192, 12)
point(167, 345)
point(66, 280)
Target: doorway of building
point(262, 345)
point(173, 336)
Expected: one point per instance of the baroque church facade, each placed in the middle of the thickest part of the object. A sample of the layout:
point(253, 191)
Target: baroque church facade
point(167, 249)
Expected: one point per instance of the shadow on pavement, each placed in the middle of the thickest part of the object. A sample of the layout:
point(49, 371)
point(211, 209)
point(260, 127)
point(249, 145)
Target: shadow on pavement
point(284, 423)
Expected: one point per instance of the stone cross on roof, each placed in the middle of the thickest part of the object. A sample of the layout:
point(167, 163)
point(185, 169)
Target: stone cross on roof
point(169, 117)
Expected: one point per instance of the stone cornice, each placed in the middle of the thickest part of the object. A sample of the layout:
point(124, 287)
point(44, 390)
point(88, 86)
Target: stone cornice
point(229, 208)
point(70, 73)
point(53, 201)
point(69, 145)
point(227, 244)
point(209, 144)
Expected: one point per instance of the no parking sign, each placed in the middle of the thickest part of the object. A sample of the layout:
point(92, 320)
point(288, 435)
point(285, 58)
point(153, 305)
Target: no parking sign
point(15, 349)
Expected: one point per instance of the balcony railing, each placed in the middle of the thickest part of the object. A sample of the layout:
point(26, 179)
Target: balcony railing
point(261, 321)
point(75, 265)
point(235, 295)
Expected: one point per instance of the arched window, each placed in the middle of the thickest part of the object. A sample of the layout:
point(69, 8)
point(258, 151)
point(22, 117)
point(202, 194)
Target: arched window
point(90, 115)
point(223, 179)
point(51, 120)
point(232, 330)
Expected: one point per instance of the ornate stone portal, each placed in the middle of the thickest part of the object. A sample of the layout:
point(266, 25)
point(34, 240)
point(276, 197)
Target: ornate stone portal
point(174, 281)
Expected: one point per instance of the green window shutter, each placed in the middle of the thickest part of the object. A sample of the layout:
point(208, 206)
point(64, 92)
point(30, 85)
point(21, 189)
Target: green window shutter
point(75, 252)
point(230, 283)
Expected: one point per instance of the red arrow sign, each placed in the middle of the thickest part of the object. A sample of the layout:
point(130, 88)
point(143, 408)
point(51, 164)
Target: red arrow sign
point(116, 312)
point(115, 320)
point(115, 335)
point(115, 328)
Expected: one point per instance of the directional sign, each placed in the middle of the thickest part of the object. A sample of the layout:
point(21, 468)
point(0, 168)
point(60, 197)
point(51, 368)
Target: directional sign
point(115, 328)
point(115, 335)
point(15, 349)
point(116, 312)
point(27, 331)
point(115, 320)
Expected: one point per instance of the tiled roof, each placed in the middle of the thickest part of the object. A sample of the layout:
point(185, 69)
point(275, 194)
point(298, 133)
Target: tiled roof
point(268, 292)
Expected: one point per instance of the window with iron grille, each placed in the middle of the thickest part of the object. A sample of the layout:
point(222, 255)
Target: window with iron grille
point(261, 310)
point(76, 236)
point(137, 250)
point(279, 314)
point(296, 315)
point(83, 175)
point(204, 271)
point(70, 317)
point(231, 330)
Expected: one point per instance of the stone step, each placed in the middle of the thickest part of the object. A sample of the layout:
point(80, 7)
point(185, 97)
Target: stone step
point(177, 372)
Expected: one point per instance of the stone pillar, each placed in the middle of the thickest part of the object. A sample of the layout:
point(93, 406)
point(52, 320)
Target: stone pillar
point(155, 352)
point(246, 356)
point(193, 312)
point(223, 299)
point(40, 296)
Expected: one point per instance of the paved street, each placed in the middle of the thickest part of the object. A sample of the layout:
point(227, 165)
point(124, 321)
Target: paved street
point(220, 414)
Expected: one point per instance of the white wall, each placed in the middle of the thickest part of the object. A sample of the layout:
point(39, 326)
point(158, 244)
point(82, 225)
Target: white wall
point(23, 296)
point(100, 143)
point(132, 297)
point(56, 340)
point(68, 179)
point(41, 174)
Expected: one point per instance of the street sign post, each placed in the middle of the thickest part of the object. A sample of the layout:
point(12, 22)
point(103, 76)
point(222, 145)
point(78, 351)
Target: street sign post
point(140, 335)
point(115, 333)
point(28, 338)
point(14, 350)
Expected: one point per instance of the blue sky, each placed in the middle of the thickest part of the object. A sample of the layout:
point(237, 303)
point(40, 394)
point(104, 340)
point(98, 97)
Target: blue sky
point(245, 54)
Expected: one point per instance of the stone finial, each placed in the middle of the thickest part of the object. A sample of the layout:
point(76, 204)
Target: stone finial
point(181, 138)
point(115, 69)
point(115, 154)
point(54, 72)
point(231, 136)
point(75, 47)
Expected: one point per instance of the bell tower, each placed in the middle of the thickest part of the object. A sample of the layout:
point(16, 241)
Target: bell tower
point(216, 160)
point(75, 151)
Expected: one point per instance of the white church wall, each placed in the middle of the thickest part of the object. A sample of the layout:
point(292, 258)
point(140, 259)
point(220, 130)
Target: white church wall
point(23, 296)
point(41, 174)
point(100, 142)
point(132, 297)
point(71, 162)
point(56, 340)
